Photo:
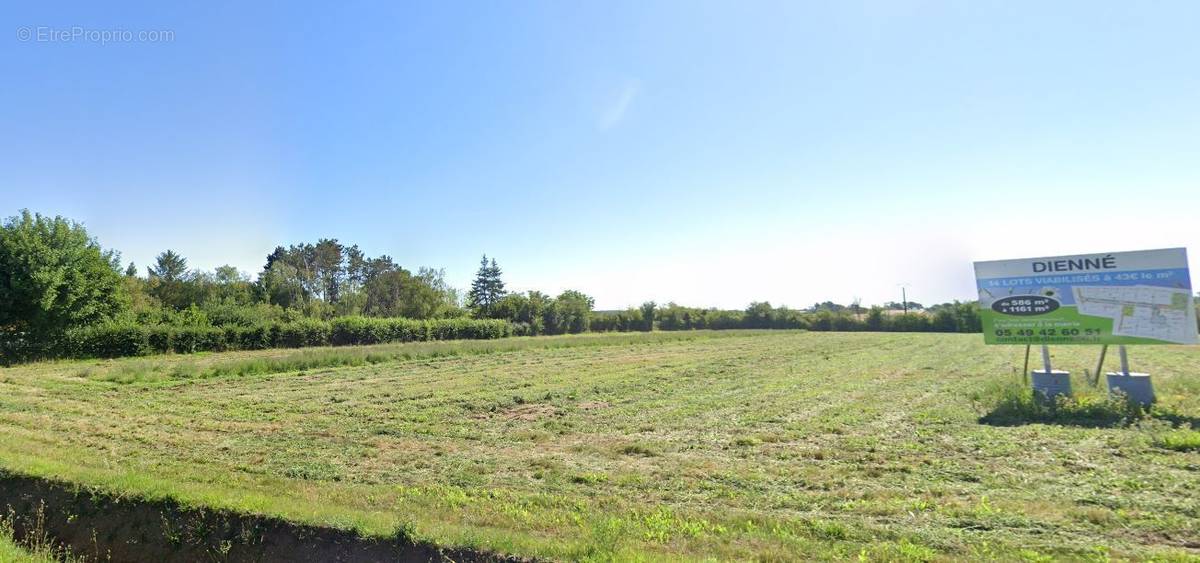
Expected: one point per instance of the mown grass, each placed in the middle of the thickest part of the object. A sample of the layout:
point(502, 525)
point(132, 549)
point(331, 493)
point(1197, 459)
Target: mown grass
point(732, 445)
point(280, 361)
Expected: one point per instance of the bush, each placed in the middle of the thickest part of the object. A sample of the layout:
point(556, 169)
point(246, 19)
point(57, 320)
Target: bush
point(107, 341)
point(256, 337)
point(191, 339)
point(367, 330)
point(301, 333)
point(357, 330)
point(160, 339)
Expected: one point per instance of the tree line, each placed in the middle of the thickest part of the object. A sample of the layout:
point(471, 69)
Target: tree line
point(62, 293)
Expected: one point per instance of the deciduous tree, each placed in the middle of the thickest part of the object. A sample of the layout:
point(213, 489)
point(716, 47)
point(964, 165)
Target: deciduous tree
point(53, 276)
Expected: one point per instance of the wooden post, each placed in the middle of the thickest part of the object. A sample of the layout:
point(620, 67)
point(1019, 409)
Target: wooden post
point(1100, 365)
point(1025, 372)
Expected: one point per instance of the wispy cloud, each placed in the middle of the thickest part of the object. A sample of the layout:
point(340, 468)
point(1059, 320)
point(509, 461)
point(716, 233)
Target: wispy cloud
point(615, 112)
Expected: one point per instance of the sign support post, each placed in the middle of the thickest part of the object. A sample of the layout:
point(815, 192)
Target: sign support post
point(1048, 382)
point(1135, 386)
point(1025, 370)
point(1100, 364)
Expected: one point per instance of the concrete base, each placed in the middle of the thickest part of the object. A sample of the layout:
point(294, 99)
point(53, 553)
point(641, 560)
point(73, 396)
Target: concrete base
point(1135, 386)
point(1051, 385)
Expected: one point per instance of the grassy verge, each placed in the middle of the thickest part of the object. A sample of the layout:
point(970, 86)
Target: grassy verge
point(730, 445)
point(41, 550)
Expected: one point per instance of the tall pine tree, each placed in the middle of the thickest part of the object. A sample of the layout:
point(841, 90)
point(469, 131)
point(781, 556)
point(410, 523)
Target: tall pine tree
point(487, 288)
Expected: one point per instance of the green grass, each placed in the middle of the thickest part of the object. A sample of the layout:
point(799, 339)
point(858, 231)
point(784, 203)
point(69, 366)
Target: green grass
point(12, 553)
point(733, 445)
point(39, 552)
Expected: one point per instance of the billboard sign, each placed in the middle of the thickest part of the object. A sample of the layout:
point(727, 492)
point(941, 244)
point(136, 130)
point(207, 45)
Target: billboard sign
point(1142, 297)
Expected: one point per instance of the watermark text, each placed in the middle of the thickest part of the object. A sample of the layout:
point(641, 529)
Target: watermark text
point(81, 34)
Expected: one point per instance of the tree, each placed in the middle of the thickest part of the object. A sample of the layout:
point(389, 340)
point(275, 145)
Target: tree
point(487, 288)
point(327, 261)
point(648, 316)
point(281, 284)
point(131, 271)
point(760, 314)
point(524, 308)
point(53, 276)
point(385, 293)
point(169, 267)
point(169, 280)
point(571, 312)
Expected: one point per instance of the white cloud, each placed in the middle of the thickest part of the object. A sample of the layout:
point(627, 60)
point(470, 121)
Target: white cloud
point(615, 112)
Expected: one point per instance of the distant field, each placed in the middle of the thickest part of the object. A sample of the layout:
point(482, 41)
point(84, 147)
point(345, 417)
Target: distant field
point(772, 445)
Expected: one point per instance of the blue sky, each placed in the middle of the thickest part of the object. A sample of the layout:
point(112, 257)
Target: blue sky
point(707, 153)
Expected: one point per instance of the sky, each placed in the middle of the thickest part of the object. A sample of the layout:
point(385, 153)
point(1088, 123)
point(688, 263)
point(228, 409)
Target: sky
point(707, 153)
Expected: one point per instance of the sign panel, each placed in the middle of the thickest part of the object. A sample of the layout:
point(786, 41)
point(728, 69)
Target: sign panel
point(1142, 297)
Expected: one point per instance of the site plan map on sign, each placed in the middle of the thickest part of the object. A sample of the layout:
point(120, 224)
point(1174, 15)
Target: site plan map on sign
point(1142, 297)
point(1141, 310)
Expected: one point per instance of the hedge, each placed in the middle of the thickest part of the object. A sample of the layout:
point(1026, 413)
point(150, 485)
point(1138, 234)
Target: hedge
point(116, 340)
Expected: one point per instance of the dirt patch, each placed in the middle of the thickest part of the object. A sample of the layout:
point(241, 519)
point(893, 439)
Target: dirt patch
point(530, 412)
point(97, 526)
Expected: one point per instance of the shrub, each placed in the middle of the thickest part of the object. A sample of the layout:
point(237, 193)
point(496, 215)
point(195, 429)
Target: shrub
point(256, 337)
point(107, 341)
point(160, 339)
point(356, 330)
point(301, 333)
point(198, 339)
point(131, 339)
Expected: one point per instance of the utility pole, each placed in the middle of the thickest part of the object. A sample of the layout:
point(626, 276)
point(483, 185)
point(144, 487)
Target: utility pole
point(904, 296)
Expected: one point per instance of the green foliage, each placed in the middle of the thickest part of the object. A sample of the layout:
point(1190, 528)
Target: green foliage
point(107, 341)
point(114, 340)
point(647, 311)
point(487, 289)
point(53, 276)
point(170, 281)
point(1181, 440)
point(569, 313)
point(1012, 403)
point(366, 330)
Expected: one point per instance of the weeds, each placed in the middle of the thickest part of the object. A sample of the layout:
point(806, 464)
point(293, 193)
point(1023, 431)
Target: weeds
point(36, 545)
point(1012, 404)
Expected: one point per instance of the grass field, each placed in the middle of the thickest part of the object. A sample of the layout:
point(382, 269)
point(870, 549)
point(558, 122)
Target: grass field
point(780, 445)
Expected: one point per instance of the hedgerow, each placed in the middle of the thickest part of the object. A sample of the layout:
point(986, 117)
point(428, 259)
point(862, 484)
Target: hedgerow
point(114, 340)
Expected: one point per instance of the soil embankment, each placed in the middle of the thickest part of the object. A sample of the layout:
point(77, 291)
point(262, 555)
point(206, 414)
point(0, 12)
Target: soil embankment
point(97, 526)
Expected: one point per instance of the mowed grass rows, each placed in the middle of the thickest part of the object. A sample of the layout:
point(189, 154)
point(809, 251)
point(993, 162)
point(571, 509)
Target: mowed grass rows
point(778, 445)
